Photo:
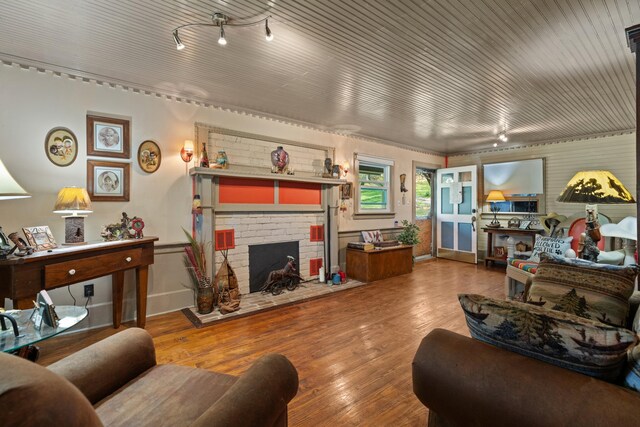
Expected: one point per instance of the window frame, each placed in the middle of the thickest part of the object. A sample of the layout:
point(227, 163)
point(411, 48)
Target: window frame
point(385, 164)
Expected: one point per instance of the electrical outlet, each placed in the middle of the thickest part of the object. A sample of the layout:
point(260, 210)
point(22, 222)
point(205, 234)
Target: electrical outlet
point(88, 290)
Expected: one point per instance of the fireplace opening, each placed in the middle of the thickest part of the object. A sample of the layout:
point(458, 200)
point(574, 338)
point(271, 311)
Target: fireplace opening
point(265, 258)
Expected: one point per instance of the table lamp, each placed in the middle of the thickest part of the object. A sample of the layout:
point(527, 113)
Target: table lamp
point(593, 187)
point(9, 189)
point(492, 197)
point(74, 202)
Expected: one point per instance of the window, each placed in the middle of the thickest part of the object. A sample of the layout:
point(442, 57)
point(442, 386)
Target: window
point(374, 185)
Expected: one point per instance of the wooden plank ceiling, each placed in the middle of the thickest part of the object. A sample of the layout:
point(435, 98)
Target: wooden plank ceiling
point(443, 75)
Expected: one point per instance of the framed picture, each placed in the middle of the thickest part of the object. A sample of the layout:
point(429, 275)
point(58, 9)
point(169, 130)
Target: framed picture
point(40, 237)
point(524, 225)
point(61, 146)
point(499, 251)
point(108, 181)
point(107, 137)
point(346, 191)
point(149, 156)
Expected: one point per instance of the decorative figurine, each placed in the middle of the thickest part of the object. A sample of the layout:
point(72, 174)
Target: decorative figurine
point(21, 248)
point(286, 277)
point(222, 161)
point(122, 230)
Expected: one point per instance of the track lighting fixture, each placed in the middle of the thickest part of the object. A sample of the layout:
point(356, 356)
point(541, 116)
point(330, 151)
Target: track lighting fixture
point(502, 136)
point(222, 40)
point(221, 20)
point(267, 30)
point(176, 38)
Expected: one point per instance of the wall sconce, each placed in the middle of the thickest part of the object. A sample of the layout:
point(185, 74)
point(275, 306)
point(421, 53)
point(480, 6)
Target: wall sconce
point(187, 151)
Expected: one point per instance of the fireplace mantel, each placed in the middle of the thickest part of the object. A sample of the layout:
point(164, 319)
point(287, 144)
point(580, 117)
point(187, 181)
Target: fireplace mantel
point(260, 173)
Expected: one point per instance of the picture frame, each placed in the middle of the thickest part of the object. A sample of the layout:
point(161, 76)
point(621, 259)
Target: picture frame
point(499, 251)
point(107, 137)
point(40, 238)
point(61, 146)
point(524, 225)
point(108, 181)
point(149, 156)
point(346, 190)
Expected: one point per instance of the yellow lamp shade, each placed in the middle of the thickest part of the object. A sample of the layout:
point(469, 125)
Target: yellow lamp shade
point(595, 186)
point(495, 196)
point(73, 200)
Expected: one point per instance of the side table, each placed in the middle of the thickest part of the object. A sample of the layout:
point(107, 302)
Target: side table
point(490, 255)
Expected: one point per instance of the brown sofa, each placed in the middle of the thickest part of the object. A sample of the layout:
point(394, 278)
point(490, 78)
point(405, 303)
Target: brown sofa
point(465, 382)
point(117, 382)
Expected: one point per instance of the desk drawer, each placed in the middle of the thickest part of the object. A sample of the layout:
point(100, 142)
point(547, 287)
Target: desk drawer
point(64, 273)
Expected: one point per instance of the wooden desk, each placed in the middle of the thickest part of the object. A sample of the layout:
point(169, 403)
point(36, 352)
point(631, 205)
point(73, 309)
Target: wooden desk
point(22, 278)
point(490, 256)
point(367, 266)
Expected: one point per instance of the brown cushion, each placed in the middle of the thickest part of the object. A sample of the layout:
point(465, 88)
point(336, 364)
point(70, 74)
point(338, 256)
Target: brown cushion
point(31, 395)
point(165, 395)
point(592, 291)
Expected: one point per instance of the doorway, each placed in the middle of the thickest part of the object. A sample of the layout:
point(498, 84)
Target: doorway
point(423, 210)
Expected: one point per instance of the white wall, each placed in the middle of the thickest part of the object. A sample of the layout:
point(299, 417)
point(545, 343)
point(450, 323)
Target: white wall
point(562, 161)
point(33, 102)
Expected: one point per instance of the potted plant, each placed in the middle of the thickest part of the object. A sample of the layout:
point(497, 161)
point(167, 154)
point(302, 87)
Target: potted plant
point(409, 234)
point(195, 261)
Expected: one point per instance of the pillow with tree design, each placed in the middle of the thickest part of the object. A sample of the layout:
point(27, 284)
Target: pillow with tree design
point(593, 291)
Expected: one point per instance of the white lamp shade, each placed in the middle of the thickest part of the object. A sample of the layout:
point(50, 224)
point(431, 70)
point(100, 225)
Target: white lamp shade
point(9, 188)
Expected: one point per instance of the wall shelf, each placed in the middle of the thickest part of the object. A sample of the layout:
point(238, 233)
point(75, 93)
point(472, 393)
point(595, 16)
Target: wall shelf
point(259, 174)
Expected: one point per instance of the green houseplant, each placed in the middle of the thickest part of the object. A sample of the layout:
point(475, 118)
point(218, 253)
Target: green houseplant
point(409, 234)
point(196, 264)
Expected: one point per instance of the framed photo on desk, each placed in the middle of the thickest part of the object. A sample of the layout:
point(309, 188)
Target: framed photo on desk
point(524, 225)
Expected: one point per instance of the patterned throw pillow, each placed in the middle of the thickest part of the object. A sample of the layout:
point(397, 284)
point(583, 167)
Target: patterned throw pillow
point(372, 236)
point(562, 339)
point(552, 245)
point(593, 291)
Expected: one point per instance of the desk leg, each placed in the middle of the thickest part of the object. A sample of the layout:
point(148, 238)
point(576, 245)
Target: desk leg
point(142, 274)
point(117, 290)
point(489, 248)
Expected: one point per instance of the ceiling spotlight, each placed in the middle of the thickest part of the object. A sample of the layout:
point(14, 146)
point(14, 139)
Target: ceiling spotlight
point(222, 41)
point(221, 20)
point(495, 144)
point(267, 30)
point(176, 39)
point(502, 136)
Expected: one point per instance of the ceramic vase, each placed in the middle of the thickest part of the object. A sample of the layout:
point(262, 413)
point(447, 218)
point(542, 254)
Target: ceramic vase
point(280, 159)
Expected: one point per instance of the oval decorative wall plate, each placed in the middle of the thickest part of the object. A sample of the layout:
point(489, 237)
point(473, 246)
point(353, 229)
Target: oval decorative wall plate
point(149, 156)
point(61, 146)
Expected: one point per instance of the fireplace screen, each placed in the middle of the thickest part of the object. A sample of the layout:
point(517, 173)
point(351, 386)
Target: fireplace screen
point(268, 257)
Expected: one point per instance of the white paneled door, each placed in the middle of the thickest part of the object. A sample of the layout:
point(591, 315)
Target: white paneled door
point(456, 201)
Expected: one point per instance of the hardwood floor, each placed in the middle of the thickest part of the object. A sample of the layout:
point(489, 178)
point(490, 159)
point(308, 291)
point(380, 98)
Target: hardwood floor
point(352, 350)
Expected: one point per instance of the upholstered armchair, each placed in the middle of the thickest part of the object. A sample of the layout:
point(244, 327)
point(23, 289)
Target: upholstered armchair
point(117, 382)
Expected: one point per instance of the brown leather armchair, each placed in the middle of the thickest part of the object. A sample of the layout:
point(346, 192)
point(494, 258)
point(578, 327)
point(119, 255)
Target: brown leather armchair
point(117, 382)
point(465, 382)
